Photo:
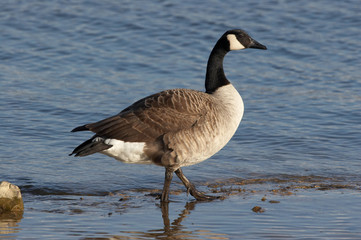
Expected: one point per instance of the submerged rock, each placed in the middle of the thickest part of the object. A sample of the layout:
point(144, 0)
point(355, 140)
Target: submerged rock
point(10, 199)
point(258, 209)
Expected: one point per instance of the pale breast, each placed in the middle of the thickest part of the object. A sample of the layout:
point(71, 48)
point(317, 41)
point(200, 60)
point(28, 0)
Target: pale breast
point(212, 132)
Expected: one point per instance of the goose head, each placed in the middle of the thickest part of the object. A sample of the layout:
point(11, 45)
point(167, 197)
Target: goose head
point(235, 39)
point(238, 39)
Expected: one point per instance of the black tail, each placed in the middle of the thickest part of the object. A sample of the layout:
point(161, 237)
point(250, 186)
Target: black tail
point(80, 128)
point(93, 145)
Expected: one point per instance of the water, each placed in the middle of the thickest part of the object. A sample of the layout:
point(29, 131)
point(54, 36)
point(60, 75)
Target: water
point(65, 63)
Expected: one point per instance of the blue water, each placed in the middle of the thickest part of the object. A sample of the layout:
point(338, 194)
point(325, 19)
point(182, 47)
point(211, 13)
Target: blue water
point(67, 63)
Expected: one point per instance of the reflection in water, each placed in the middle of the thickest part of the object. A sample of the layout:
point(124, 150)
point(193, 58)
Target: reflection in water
point(281, 184)
point(130, 222)
point(9, 224)
point(174, 230)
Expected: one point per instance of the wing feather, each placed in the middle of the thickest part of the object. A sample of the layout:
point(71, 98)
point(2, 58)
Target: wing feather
point(153, 116)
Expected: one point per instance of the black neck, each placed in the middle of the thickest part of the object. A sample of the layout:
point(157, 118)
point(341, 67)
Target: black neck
point(215, 76)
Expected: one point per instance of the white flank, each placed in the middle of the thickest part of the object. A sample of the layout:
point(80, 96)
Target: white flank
point(234, 44)
point(129, 152)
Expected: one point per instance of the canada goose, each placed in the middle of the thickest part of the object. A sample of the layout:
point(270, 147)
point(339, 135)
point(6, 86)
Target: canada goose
point(177, 127)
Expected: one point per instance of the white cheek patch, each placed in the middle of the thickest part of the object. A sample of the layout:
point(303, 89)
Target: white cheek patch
point(234, 44)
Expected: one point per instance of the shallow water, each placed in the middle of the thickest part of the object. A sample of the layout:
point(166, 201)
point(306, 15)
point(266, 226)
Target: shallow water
point(64, 64)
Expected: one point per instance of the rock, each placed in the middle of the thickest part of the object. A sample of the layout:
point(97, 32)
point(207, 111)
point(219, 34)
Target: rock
point(258, 209)
point(10, 199)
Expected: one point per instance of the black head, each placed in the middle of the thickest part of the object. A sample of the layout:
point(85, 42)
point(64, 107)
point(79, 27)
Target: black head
point(238, 39)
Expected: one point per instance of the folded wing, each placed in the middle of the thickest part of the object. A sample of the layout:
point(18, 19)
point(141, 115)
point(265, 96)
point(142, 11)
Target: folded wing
point(153, 116)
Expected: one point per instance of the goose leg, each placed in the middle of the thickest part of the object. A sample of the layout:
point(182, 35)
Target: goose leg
point(192, 189)
point(167, 181)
